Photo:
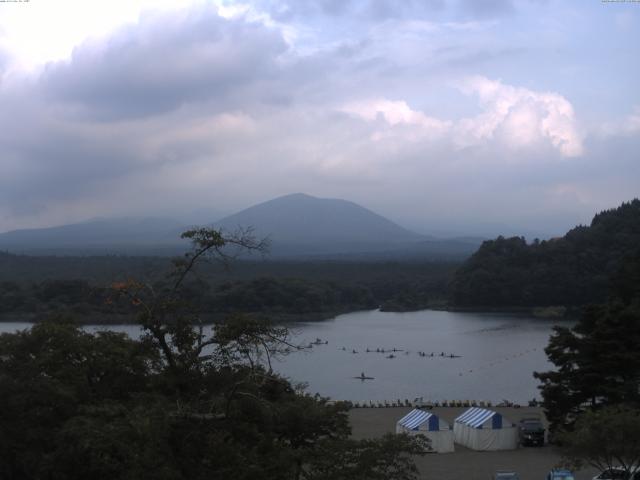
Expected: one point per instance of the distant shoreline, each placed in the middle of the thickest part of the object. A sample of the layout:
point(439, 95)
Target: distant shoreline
point(543, 313)
point(130, 319)
point(548, 312)
point(555, 312)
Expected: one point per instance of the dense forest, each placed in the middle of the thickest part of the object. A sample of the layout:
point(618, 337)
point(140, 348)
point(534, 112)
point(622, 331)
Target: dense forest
point(574, 270)
point(177, 403)
point(597, 361)
point(591, 396)
point(35, 287)
point(505, 273)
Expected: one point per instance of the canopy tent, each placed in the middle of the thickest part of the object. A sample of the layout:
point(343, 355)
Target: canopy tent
point(482, 429)
point(420, 422)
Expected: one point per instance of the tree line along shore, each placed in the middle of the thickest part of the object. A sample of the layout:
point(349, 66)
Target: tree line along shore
point(551, 279)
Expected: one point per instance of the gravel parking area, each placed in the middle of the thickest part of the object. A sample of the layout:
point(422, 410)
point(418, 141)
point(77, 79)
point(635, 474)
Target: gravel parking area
point(531, 463)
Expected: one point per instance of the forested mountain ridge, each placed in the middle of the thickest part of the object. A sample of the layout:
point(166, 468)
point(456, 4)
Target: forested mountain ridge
point(573, 270)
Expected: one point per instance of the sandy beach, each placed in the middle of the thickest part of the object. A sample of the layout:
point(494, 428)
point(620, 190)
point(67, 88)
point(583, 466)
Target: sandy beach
point(531, 463)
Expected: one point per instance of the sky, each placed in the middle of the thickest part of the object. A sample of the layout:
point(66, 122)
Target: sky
point(446, 116)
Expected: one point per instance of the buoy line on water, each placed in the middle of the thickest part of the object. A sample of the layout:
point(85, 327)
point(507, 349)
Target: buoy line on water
point(499, 361)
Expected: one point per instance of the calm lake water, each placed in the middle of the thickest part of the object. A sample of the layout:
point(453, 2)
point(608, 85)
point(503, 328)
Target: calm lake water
point(498, 353)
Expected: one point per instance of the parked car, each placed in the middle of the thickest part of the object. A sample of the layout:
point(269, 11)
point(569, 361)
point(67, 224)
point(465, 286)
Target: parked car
point(559, 474)
point(618, 473)
point(531, 432)
point(504, 475)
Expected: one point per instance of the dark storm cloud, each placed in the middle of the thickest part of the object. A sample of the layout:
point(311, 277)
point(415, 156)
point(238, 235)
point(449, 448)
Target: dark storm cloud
point(137, 104)
point(46, 162)
point(163, 62)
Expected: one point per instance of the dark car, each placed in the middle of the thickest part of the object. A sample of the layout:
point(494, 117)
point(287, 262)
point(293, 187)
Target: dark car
point(557, 474)
point(505, 475)
point(531, 432)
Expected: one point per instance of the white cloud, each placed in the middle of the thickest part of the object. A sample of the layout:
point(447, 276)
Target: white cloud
point(38, 32)
point(625, 126)
point(397, 113)
point(632, 125)
point(521, 117)
point(514, 116)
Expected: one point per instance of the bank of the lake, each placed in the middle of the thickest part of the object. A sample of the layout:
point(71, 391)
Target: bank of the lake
point(552, 312)
point(106, 319)
point(559, 312)
point(439, 355)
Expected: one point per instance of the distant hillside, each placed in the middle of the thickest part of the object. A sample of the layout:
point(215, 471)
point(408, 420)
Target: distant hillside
point(573, 270)
point(300, 224)
point(97, 236)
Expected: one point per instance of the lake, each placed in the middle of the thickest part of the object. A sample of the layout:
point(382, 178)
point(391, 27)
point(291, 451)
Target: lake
point(497, 355)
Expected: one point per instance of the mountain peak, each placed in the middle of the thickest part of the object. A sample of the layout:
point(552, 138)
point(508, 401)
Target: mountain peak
point(300, 197)
point(297, 195)
point(298, 225)
point(319, 225)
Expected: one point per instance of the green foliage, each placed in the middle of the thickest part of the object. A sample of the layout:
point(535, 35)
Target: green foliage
point(113, 441)
point(598, 360)
point(381, 459)
point(289, 296)
point(573, 270)
point(604, 439)
point(48, 374)
point(183, 402)
point(287, 290)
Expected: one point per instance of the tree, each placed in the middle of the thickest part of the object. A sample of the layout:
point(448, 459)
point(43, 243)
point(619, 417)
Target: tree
point(604, 439)
point(598, 360)
point(186, 401)
point(573, 270)
point(48, 375)
point(388, 457)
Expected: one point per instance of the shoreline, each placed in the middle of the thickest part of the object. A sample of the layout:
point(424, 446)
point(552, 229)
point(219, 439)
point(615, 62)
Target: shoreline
point(100, 318)
point(553, 312)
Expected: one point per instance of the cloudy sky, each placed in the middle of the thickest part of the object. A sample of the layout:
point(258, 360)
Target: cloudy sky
point(444, 115)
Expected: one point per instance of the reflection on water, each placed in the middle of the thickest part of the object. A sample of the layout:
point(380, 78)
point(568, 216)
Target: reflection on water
point(494, 355)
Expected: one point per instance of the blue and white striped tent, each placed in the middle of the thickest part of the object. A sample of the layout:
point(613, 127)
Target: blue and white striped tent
point(482, 429)
point(421, 422)
point(475, 417)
